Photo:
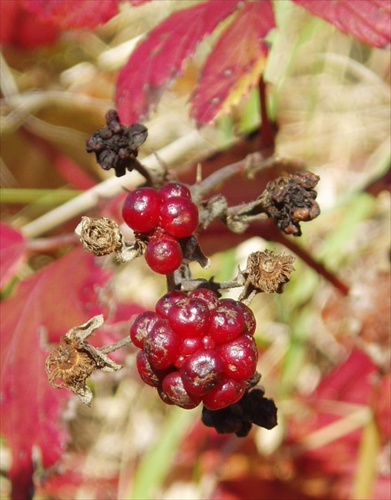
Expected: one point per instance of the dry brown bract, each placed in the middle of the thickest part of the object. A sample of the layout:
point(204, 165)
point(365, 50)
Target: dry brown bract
point(99, 236)
point(69, 365)
point(266, 272)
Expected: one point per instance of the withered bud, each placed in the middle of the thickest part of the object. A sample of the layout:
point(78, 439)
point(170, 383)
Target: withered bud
point(69, 365)
point(116, 146)
point(290, 200)
point(99, 236)
point(267, 272)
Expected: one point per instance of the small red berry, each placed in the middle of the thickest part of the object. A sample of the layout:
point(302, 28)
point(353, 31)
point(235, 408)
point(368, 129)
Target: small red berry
point(174, 190)
point(173, 387)
point(226, 393)
point(226, 322)
point(162, 345)
point(145, 370)
point(164, 304)
point(163, 254)
point(189, 317)
point(141, 210)
point(179, 217)
point(240, 358)
point(209, 296)
point(201, 372)
point(141, 326)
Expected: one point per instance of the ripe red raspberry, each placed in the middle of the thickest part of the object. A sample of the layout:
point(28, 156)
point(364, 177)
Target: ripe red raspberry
point(240, 358)
point(141, 210)
point(226, 393)
point(141, 326)
point(172, 386)
point(226, 322)
point(161, 345)
point(163, 254)
point(189, 317)
point(201, 372)
point(174, 190)
point(179, 217)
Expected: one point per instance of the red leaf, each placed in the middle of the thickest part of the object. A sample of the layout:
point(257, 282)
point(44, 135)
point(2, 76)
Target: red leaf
point(12, 253)
point(16, 27)
point(367, 20)
point(160, 58)
point(71, 14)
point(59, 297)
point(236, 62)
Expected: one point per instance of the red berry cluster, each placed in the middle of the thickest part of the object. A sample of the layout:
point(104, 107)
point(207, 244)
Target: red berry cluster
point(163, 217)
point(196, 347)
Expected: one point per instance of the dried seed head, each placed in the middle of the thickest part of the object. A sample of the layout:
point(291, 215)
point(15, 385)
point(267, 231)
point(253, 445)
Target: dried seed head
point(267, 272)
point(99, 236)
point(69, 365)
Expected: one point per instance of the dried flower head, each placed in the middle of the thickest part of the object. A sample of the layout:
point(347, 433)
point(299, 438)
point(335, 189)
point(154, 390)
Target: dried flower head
point(99, 236)
point(69, 365)
point(116, 146)
point(266, 272)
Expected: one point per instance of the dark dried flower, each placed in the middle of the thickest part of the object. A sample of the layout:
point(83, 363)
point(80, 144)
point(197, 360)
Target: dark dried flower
point(290, 200)
point(238, 418)
point(99, 236)
point(266, 272)
point(116, 146)
point(69, 365)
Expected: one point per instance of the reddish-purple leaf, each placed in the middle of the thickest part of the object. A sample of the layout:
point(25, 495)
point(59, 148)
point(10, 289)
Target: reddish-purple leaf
point(236, 62)
point(12, 253)
point(61, 296)
point(367, 20)
point(72, 14)
point(160, 58)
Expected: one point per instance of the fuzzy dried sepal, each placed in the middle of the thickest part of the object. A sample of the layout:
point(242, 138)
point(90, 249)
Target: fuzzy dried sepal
point(116, 146)
point(72, 362)
point(99, 236)
point(266, 272)
point(290, 200)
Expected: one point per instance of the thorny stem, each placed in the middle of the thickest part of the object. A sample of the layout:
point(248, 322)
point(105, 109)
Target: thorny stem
point(114, 347)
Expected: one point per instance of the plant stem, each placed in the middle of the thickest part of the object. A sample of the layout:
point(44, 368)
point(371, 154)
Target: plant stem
point(114, 347)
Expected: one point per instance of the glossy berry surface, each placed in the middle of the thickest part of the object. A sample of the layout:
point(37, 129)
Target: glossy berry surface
point(141, 209)
point(161, 345)
point(202, 371)
point(196, 347)
point(163, 254)
point(174, 190)
point(179, 217)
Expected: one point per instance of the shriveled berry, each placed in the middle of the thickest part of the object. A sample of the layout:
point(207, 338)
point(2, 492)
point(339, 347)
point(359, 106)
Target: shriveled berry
point(164, 304)
point(209, 296)
point(179, 217)
point(145, 370)
point(173, 387)
point(174, 190)
point(141, 326)
point(161, 345)
point(201, 372)
point(189, 317)
point(226, 322)
point(226, 393)
point(240, 358)
point(163, 254)
point(141, 210)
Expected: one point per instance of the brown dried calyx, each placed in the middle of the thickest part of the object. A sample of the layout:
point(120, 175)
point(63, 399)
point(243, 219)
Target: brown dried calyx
point(290, 200)
point(100, 236)
point(116, 146)
point(266, 272)
point(69, 365)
